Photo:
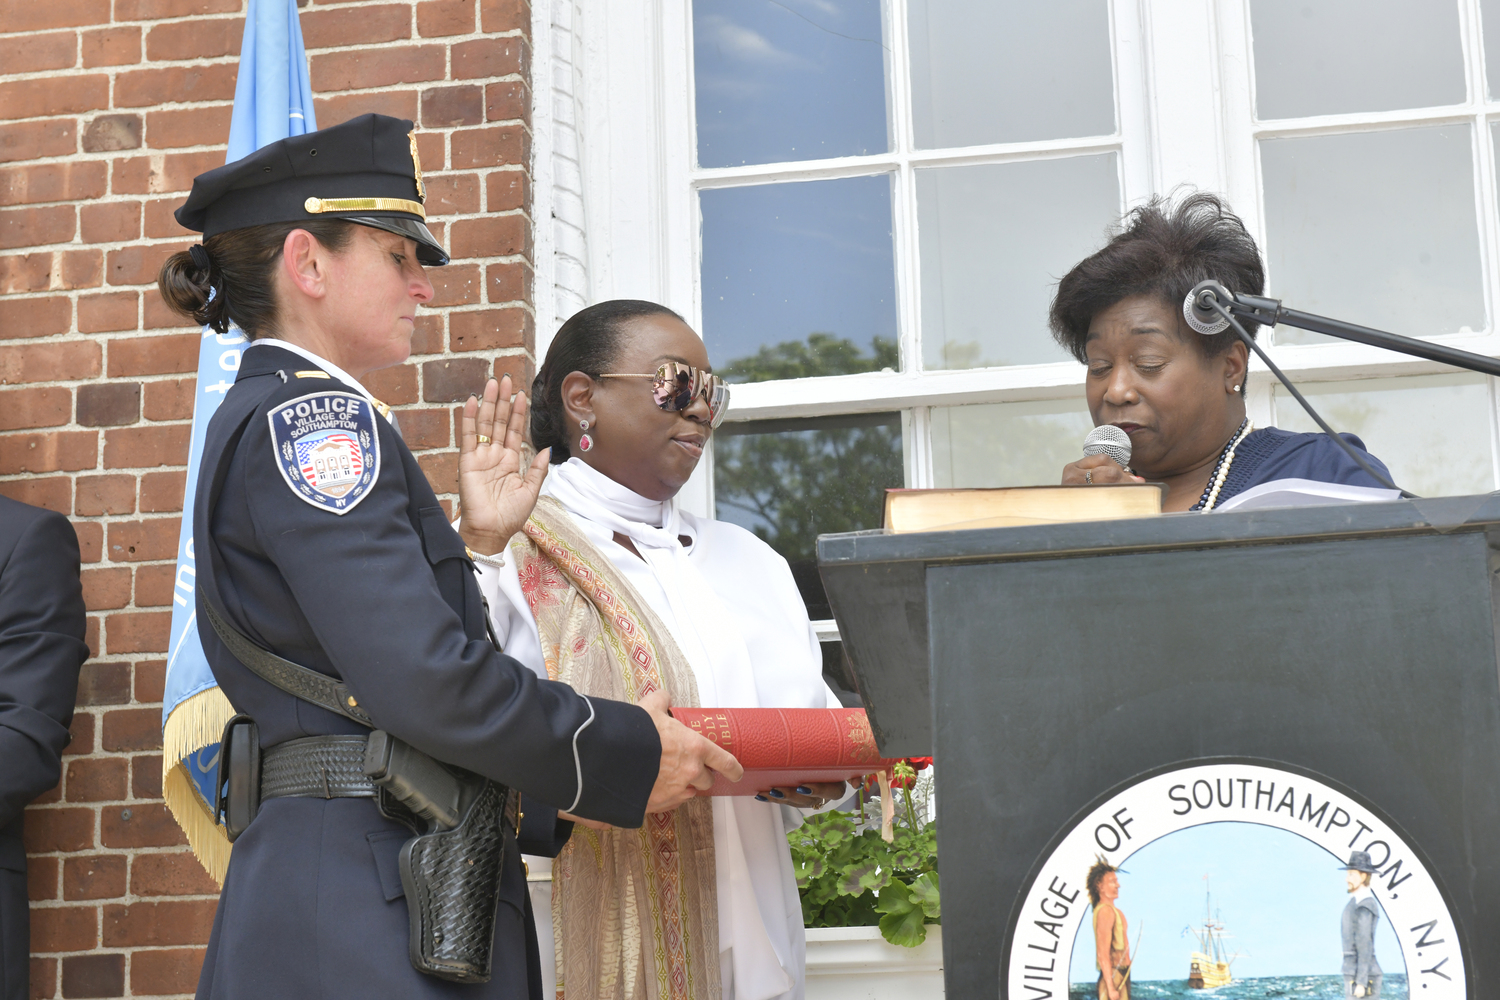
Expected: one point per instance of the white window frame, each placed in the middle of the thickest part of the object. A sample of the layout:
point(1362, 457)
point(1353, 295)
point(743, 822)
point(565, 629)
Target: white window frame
point(1184, 80)
point(1342, 360)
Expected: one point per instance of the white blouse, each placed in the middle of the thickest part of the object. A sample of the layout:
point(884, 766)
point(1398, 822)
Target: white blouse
point(730, 603)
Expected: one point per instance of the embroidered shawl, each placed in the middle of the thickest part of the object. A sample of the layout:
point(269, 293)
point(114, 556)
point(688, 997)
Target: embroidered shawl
point(635, 912)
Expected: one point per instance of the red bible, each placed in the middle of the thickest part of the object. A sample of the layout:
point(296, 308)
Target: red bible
point(787, 747)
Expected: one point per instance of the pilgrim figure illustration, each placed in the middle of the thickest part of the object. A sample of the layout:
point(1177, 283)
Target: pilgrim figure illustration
point(1361, 916)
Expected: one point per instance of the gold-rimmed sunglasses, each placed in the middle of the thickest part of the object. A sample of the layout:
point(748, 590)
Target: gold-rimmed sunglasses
point(675, 386)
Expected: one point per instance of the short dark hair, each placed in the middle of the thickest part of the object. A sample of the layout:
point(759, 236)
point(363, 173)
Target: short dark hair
point(239, 284)
point(1161, 249)
point(588, 342)
point(1097, 871)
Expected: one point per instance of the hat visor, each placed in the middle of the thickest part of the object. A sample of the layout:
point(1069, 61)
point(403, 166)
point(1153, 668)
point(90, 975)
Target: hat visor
point(429, 251)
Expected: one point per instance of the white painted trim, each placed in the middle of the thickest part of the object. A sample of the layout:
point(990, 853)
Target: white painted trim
point(542, 133)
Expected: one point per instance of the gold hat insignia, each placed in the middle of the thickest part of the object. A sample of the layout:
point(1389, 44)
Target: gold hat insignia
point(416, 162)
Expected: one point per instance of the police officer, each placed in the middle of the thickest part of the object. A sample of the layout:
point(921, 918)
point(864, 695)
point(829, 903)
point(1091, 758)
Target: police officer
point(326, 550)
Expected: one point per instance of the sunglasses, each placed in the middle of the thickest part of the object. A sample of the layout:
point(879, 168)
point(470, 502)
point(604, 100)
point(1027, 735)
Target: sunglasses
point(676, 385)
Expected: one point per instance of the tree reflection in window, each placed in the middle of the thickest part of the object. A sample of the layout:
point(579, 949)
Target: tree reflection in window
point(792, 480)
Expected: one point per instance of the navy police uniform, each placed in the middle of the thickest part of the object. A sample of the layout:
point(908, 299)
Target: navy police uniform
point(331, 550)
point(41, 649)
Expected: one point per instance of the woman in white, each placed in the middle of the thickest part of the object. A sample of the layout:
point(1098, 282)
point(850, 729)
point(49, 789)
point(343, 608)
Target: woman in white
point(616, 590)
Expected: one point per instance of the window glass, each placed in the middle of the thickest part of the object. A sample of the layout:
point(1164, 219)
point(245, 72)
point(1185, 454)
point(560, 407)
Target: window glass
point(799, 279)
point(1489, 12)
point(1007, 444)
point(788, 80)
point(791, 480)
point(1328, 57)
point(1376, 228)
point(995, 238)
point(985, 72)
point(1432, 432)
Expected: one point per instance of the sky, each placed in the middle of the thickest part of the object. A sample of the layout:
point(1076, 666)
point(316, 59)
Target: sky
point(1279, 896)
point(785, 80)
point(781, 261)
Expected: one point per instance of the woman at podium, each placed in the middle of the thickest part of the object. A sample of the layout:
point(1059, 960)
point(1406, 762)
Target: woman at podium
point(1178, 394)
point(614, 588)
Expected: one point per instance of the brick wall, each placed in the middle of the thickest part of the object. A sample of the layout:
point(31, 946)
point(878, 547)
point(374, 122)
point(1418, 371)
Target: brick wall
point(108, 108)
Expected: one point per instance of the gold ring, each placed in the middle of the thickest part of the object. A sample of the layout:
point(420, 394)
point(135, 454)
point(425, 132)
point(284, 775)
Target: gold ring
point(484, 439)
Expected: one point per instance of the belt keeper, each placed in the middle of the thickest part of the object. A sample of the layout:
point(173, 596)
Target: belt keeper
point(327, 792)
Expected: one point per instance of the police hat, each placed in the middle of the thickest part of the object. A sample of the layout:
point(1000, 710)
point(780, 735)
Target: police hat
point(365, 170)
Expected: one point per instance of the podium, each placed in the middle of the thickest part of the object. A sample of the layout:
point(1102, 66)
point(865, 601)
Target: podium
point(1091, 689)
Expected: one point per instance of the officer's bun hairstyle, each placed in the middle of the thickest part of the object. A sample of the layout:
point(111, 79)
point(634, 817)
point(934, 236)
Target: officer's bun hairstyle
point(231, 276)
point(589, 342)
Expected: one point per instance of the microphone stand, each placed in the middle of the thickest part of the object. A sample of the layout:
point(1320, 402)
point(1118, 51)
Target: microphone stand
point(1206, 298)
point(1270, 312)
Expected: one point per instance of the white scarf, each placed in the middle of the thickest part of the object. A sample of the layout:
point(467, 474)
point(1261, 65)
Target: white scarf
point(710, 638)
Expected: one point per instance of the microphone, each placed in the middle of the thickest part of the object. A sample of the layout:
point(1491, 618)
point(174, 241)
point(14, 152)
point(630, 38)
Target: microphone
point(1108, 439)
point(1198, 312)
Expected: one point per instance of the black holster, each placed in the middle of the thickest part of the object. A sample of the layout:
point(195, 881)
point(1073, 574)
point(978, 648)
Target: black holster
point(239, 776)
point(451, 873)
point(452, 882)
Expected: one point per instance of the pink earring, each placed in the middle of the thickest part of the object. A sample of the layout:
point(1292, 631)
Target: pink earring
point(585, 443)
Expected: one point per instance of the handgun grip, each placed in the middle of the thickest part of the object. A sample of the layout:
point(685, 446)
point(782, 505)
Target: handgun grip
point(414, 779)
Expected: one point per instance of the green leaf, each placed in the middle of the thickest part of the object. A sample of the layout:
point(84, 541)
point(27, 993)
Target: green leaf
point(895, 898)
point(903, 921)
point(864, 877)
point(904, 929)
point(924, 892)
point(809, 870)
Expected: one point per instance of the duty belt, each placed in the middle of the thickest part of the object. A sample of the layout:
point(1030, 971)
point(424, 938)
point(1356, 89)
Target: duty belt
point(316, 767)
point(329, 767)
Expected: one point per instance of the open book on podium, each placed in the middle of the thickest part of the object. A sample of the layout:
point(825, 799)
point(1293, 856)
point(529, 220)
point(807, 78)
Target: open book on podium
point(787, 747)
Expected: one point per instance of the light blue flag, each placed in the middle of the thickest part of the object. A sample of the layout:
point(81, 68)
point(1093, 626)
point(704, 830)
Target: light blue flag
point(272, 100)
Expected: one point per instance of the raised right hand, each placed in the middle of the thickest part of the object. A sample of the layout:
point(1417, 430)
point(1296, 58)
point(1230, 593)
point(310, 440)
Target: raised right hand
point(496, 495)
point(1104, 471)
point(688, 760)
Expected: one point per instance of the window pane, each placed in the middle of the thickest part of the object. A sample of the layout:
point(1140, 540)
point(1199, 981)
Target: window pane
point(1007, 444)
point(995, 239)
point(1337, 56)
point(788, 80)
point(799, 279)
point(1489, 12)
point(792, 480)
point(1377, 228)
point(985, 72)
point(1432, 432)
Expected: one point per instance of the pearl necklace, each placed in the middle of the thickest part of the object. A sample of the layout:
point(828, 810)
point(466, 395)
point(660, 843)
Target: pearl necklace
point(1221, 470)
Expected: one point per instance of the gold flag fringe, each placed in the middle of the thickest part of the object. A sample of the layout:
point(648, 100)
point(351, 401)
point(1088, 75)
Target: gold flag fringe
point(194, 724)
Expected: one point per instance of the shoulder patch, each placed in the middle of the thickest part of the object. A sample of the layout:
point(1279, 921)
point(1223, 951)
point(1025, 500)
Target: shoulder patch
point(327, 448)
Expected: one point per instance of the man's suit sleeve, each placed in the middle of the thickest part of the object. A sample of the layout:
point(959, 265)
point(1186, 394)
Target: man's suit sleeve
point(365, 582)
point(41, 648)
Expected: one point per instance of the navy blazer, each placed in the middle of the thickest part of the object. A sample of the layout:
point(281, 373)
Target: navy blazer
point(383, 596)
point(41, 648)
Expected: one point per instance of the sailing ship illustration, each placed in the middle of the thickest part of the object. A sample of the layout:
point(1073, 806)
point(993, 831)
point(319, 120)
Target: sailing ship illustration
point(1211, 962)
